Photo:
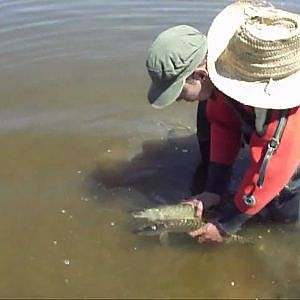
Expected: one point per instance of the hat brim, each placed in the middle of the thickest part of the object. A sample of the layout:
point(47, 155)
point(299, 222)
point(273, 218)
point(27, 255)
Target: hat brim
point(161, 95)
point(277, 94)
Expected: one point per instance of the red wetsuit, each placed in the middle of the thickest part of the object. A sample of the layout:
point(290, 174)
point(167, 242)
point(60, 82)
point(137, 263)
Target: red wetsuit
point(226, 132)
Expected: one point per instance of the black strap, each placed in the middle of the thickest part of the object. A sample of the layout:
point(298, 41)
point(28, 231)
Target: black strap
point(262, 116)
point(250, 122)
point(272, 145)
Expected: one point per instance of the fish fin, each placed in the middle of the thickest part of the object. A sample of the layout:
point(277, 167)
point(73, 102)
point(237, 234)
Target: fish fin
point(164, 238)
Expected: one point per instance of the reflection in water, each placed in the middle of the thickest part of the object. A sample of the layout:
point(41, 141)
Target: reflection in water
point(162, 171)
point(159, 175)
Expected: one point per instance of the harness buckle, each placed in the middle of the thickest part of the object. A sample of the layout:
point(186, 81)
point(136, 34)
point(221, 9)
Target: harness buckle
point(273, 143)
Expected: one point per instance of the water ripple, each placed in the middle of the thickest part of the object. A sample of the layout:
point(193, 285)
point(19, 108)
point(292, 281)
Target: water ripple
point(33, 29)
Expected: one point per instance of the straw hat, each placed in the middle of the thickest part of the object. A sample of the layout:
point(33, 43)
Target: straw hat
point(254, 55)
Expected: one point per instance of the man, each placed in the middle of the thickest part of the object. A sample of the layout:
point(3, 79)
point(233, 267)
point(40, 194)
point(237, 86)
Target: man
point(256, 62)
point(177, 66)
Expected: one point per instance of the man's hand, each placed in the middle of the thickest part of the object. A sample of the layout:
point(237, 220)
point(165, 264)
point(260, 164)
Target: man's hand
point(206, 233)
point(197, 205)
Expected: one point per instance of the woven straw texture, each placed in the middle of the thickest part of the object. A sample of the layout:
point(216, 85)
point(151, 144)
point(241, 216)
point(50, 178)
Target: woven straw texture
point(265, 46)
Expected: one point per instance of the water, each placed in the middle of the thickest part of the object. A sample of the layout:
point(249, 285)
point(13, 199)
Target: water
point(80, 147)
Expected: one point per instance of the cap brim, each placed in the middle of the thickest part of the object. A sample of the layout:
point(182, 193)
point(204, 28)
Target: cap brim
point(161, 96)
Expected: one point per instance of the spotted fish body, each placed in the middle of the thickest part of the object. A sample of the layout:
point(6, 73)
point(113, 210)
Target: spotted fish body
point(172, 218)
point(166, 212)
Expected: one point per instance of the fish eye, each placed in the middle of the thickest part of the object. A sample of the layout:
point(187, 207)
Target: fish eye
point(153, 227)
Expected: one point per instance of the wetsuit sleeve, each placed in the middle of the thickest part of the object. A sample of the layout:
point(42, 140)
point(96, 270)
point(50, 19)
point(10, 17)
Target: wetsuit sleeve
point(225, 143)
point(279, 170)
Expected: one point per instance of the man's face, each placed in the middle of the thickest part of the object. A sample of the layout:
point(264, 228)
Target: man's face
point(197, 87)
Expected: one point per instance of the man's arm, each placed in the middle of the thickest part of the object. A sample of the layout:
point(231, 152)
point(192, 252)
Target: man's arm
point(225, 143)
point(250, 198)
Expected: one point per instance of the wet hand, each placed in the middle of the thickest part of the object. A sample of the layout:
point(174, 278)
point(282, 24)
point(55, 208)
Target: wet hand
point(197, 205)
point(208, 233)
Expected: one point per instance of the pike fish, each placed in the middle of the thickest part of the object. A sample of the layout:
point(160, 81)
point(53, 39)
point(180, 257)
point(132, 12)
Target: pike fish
point(164, 219)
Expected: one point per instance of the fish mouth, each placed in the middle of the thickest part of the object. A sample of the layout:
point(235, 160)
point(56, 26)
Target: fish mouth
point(152, 229)
point(137, 214)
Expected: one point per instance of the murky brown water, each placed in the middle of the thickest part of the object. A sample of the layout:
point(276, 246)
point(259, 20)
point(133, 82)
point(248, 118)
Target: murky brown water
point(81, 147)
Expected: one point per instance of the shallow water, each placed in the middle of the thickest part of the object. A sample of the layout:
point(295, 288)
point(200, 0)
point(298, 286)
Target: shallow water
point(81, 147)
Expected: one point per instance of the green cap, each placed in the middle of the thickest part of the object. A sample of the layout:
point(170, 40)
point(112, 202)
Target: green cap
point(173, 56)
